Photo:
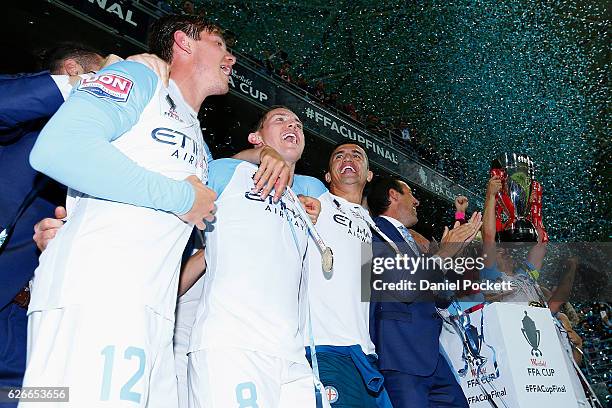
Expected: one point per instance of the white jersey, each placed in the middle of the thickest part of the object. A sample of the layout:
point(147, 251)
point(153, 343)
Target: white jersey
point(339, 316)
point(110, 252)
point(253, 287)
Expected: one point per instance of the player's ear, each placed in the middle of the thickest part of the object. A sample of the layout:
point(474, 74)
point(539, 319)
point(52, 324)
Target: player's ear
point(370, 176)
point(255, 139)
point(182, 41)
point(393, 194)
point(71, 67)
point(328, 177)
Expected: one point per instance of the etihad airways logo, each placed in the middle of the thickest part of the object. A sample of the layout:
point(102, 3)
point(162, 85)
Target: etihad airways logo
point(361, 232)
point(187, 148)
point(281, 209)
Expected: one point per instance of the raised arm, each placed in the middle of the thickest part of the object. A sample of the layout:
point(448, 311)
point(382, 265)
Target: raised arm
point(489, 222)
point(461, 205)
point(563, 289)
point(538, 251)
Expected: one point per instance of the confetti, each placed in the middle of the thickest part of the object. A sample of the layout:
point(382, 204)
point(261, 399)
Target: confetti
point(471, 78)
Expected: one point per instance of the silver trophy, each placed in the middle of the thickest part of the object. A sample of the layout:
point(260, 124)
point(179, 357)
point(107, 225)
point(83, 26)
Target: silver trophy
point(513, 209)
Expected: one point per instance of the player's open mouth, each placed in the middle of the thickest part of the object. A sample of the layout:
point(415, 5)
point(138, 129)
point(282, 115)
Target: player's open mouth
point(291, 137)
point(227, 70)
point(348, 169)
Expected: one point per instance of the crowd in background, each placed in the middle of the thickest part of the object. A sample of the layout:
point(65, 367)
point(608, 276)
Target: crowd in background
point(595, 327)
point(399, 132)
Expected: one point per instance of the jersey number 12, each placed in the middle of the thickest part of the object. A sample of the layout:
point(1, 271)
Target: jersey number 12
point(126, 392)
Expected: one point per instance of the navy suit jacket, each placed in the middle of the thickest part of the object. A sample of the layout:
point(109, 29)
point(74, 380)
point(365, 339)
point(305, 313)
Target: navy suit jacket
point(404, 325)
point(26, 103)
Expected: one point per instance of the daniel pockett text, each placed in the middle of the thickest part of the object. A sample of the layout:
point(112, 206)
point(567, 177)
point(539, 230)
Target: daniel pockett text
point(405, 264)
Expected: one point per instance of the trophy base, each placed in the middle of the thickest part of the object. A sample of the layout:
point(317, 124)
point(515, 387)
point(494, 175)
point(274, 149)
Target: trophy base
point(521, 231)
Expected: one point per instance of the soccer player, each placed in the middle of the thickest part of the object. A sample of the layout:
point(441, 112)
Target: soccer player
point(339, 316)
point(101, 315)
point(246, 346)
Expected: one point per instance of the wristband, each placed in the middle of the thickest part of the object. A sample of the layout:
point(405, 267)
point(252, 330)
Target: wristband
point(532, 271)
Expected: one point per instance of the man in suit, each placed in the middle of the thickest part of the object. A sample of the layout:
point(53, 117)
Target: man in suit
point(27, 101)
point(404, 324)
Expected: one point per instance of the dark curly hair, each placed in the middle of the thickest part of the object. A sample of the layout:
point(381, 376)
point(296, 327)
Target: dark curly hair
point(161, 32)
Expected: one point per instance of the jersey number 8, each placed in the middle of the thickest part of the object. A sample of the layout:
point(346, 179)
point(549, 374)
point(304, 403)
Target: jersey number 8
point(246, 395)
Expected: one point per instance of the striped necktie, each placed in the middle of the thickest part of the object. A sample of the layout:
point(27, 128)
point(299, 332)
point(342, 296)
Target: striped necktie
point(409, 239)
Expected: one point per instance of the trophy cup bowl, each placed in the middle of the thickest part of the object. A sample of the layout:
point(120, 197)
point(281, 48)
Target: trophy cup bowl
point(516, 197)
point(519, 231)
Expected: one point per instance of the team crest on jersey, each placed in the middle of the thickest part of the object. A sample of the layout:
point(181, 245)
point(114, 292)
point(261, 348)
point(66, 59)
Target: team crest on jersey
point(171, 112)
point(108, 86)
point(332, 394)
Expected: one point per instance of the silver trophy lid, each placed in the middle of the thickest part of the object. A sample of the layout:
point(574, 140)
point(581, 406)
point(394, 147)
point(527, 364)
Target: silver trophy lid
point(514, 161)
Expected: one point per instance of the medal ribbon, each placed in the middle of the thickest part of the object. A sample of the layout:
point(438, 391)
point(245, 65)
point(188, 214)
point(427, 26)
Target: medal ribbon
point(319, 391)
point(291, 196)
point(372, 226)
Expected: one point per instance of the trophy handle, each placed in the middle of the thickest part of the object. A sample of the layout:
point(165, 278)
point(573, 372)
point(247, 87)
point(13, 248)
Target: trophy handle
point(509, 208)
point(535, 213)
point(503, 205)
point(498, 213)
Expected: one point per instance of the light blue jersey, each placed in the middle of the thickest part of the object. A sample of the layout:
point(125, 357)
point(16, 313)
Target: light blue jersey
point(74, 147)
point(124, 145)
point(254, 287)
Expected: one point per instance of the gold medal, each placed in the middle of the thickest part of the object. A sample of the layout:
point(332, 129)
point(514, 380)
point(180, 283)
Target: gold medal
point(327, 260)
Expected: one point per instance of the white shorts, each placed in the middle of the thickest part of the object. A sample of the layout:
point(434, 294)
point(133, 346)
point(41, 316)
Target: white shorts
point(186, 308)
point(221, 378)
point(119, 357)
